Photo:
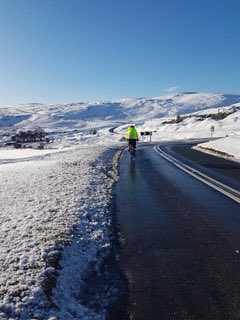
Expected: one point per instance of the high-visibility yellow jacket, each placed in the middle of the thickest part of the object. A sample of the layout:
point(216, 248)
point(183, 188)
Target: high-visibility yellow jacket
point(132, 133)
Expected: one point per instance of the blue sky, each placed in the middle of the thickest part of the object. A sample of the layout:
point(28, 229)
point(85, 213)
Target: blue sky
point(59, 51)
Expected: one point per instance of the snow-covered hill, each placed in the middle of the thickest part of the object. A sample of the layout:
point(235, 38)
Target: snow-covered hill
point(133, 110)
point(75, 120)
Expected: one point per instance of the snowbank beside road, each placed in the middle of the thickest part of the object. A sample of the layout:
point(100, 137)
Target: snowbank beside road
point(227, 147)
point(53, 209)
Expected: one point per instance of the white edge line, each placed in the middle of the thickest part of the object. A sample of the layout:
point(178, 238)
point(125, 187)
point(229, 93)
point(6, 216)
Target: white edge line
point(202, 176)
point(195, 170)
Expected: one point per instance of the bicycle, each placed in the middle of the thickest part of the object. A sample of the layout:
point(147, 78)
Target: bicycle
point(132, 150)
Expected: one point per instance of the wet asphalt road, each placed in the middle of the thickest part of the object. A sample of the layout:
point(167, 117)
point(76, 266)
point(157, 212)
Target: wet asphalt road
point(180, 241)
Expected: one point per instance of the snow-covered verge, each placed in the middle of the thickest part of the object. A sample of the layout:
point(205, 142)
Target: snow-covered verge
point(55, 229)
point(228, 147)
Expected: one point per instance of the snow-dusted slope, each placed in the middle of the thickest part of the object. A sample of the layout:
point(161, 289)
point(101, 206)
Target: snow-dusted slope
point(127, 110)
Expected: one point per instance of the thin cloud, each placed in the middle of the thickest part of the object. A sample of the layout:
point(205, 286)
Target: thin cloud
point(172, 89)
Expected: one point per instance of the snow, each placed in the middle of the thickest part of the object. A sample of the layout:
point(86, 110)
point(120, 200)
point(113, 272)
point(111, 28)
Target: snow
point(228, 147)
point(10, 154)
point(56, 205)
point(56, 222)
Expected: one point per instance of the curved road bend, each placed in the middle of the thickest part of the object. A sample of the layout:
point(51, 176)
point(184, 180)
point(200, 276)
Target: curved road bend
point(180, 243)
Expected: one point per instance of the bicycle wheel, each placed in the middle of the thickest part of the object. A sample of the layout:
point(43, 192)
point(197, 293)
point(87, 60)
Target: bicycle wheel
point(132, 151)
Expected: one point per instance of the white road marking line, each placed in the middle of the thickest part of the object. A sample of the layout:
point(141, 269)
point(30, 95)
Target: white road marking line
point(217, 185)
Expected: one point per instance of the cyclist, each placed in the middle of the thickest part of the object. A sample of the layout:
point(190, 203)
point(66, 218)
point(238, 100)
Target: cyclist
point(132, 137)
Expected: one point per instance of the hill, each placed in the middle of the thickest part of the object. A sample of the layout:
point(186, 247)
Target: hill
point(79, 118)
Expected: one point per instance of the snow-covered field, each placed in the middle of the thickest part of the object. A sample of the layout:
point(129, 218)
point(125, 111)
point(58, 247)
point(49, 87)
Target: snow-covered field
point(56, 222)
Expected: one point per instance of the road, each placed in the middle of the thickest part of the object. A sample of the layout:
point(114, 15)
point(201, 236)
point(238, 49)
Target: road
point(180, 239)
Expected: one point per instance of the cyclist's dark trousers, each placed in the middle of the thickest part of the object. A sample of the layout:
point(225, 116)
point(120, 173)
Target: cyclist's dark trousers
point(132, 142)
